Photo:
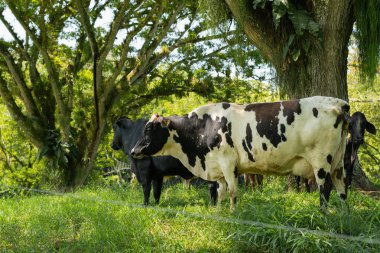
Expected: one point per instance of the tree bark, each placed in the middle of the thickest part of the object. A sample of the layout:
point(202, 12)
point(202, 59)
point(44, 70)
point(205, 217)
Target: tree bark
point(360, 180)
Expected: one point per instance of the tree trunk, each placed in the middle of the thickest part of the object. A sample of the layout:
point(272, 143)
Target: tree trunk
point(321, 68)
point(360, 179)
point(314, 74)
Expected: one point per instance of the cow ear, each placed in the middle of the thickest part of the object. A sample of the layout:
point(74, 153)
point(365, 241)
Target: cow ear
point(165, 123)
point(370, 127)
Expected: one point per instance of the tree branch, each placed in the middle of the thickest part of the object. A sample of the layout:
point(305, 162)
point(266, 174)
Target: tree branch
point(145, 55)
point(36, 136)
point(258, 29)
point(53, 76)
point(16, 73)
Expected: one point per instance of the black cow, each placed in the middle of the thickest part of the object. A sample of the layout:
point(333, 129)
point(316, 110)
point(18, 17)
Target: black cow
point(358, 124)
point(150, 169)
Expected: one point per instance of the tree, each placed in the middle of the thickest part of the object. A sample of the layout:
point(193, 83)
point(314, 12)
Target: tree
point(307, 41)
point(67, 76)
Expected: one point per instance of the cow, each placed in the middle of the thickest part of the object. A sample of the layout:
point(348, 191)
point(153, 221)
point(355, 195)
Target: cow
point(149, 170)
point(254, 180)
point(357, 126)
point(305, 137)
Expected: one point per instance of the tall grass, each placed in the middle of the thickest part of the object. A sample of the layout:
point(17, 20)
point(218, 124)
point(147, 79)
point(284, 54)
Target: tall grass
point(85, 222)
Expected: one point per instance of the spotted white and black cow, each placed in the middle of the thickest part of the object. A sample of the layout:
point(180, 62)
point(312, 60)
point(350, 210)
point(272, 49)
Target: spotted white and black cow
point(304, 137)
point(357, 126)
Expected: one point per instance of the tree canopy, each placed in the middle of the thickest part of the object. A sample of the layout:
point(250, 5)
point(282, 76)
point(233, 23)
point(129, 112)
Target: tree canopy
point(69, 75)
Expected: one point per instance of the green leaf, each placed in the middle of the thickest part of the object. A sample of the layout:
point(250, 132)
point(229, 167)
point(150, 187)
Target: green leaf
point(287, 45)
point(259, 3)
point(280, 8)
point(295, 54)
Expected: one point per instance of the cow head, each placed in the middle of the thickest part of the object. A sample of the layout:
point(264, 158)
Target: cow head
point(120, 123)
point(156, 133)
point(357, 126)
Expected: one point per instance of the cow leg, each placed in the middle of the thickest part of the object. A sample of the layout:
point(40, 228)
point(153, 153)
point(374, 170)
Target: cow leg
point(246, 180)
point(157, 188)
point(147, 185)
point(325, 184)
point(259, 181)
point(252, 180)
point(307, 185)
point(213, 187)
point(222, 190)
point(231, 178)
point(340, 182)
point(298, 181)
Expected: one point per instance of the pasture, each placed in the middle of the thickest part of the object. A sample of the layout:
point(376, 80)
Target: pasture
point(112, 219)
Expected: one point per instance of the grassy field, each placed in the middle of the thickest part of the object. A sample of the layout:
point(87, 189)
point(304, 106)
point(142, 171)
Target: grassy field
point(111, 219)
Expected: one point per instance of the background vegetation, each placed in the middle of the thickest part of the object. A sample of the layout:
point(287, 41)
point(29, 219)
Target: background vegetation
point(66, 80)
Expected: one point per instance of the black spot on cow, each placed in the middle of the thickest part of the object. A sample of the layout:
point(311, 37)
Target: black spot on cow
point(339, 173)
point(325, 190)
point(250, 156)
point(282, 128)
point(236, 172)
point(199, 135)
point(315, 112)
point(291, 108)
point(227, 130)
point(329, 159)
point(339, 118)
point(267, 118)
point(229, 134)
point(265, 147)
point(247, 142)
point(248, 137)
point(321, 173)
point(226, 105)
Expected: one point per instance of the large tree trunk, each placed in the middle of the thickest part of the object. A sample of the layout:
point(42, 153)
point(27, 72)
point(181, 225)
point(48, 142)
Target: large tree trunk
point(317, 73)
point(319, 70)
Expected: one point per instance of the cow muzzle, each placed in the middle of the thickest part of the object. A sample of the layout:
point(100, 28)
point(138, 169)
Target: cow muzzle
point(138, 153)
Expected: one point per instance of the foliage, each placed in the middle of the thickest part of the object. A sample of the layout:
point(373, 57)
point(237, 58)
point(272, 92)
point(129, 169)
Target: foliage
point(367, 34)
point(365, 98)
point(302, 22)
point(111, 220)
point(65, 79)
point(17, 157)
point(283, 11)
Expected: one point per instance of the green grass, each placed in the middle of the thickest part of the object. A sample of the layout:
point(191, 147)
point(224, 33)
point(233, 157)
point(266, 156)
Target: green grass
point(102, 219)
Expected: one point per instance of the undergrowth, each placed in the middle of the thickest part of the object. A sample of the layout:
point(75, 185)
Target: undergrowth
point(112, 219)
